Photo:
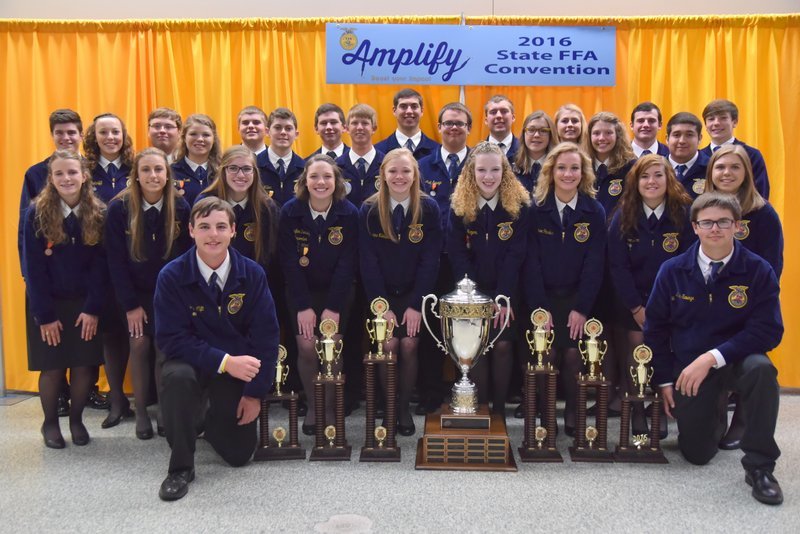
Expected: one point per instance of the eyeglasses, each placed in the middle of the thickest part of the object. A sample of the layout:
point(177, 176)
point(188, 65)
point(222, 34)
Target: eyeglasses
point(234, 170)
point(454, 124)
point(540, 131)
point(163, 126)
point(708, 224)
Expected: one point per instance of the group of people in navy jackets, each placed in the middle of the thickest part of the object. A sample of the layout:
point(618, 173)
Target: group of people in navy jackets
point(568, 215)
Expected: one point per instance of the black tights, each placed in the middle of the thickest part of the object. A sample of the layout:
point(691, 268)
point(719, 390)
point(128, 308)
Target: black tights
point(115, 352)
point(501, 360)
point(571, 365)
point(406, 373)
point(81, 382)
point(140, 376)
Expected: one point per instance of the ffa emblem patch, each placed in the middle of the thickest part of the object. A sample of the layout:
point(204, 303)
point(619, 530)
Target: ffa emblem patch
point(177, 230)
point(250, 232)
point(738, 297)
point(236, 303)
point(615, 188)
point(670, 243)
point(505, 231)
point(582, 232)
point(699, 186)
point(377, 183)
point(744, 230)
point(415, 234)
point(348, 40)
point(335, 236)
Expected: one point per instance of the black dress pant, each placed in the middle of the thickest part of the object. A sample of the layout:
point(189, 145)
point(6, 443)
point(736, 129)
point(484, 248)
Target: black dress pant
point(183, 405)
point(702, 419)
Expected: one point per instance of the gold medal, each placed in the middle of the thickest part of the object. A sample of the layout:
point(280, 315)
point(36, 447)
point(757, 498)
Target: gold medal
point(304, 258)
point(48, 252)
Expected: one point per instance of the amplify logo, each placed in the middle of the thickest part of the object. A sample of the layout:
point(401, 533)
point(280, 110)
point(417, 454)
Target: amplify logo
point(434, 56)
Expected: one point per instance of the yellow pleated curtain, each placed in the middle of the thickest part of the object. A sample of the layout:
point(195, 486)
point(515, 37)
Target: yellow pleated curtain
point(219, 66)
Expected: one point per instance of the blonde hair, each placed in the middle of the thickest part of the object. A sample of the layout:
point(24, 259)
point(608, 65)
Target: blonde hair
point(513, 195)
point(622, 152)
point(545, 183)
point(382, 199)
point(213, 153)
point(749, 197)
point(571, 108)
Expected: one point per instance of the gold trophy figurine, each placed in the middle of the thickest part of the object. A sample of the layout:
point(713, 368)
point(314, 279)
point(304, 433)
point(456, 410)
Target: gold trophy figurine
point(379, 329)
point(328, 350)
point(540, 340)
point(593, 350)
point(641, 373)
point(281, 371)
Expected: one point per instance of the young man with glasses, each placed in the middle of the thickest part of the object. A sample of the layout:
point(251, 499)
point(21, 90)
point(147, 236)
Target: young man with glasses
point(712, 316)
point(164, 131)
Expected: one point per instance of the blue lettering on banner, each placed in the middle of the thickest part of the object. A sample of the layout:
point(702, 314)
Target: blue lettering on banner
point(471, 55)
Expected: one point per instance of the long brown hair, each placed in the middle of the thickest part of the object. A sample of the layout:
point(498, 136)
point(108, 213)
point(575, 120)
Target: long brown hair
point(622, 152)
point(49, 218)
point(256, 197)
point(92, 150)
point(214, 153)
point(301, 185)
point(748, 195)
point(513, 194)
point(545, 183)
point(676, 199)
point(522, 160)
point(132, 197)
point(383, 199)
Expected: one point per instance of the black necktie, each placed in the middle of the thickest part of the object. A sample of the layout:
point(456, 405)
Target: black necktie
point(281, 169)
point(71, 224)
point(237, 211)
point(652, 221)
point(452, 169)
point(397, 219)
point(319, 221)
point(566, 216)
point(535, 170)
point(715, 267)
point(502, 146)
point(410, 145)
point(332, 154)
point(486, 213)
point(151, 217)
point(213, 286)
point(201, 174)
point(680, 171)
point(361, 166)
point(646, 152)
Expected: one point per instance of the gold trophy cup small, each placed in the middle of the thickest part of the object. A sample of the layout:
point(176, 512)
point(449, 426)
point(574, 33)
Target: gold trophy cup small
point(540, 340)
point(328, 350)
point(279, 434)
point(640, 373)
point(379, 329)
point(593, 350)
point(281, 371)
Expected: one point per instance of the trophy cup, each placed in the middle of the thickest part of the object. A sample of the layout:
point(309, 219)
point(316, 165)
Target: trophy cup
point(539, 443)
point(464, 435)
point(328, 351)
point(266, 450)
point(380, 330)
point(646, 447)
point(591, 443)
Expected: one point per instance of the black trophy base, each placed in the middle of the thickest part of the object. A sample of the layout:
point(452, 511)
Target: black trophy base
point(645, 455)
point(266, 454)
point(540, 455)
point(331, 454)
point(480, 420)
point(586, 454)
point(380, 454)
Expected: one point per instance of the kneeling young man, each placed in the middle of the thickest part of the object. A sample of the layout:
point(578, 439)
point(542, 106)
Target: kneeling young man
point(216, 324)
point(712, 316)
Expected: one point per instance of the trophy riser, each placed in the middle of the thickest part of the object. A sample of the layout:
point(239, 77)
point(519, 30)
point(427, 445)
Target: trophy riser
point(591, 455)
point(379, 454)
point(629, 453)
point(542, 455)
point(331, 454)
point(267, 454)
point(640, 456)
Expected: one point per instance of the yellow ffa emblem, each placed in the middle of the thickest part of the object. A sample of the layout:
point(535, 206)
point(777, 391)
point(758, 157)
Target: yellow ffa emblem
point(268, 190)
point(377, 183)
point(415, 234)
point(670, 243)
point(236, 303)
point(505, 231)
point(699, 186)
point(348, 40)
point(128, 182)
point(744, 230)
point(582, 232)
point(335, 236)
point(738, 297)
point(615, 188)
point(250, 232)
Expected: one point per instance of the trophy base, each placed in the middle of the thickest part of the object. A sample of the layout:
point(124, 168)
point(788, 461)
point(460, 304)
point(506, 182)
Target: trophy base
point(266, 454)
point(480, 420)
point(330, 454)
point(379, 454)
point(539, 455)
point(640, 456)
point(465, 449)
point(585, 454)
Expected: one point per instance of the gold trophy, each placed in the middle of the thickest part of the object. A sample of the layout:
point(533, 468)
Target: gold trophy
point(328, 350)
point(283, 451)
point(591, 442)
point(646, 448)
point(539, 343)
point(380, 330)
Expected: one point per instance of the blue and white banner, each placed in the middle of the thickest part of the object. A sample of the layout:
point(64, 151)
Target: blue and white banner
point(436, 54)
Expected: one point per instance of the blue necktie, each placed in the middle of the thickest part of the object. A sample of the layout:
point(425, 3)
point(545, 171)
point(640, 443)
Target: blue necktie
point(319, 221)
point(332, 155)
point(361, 166)
point(646, 152)
point(652, 221)
point(602, 172)
point(566, 216)
point(151, 217)
point(398, 216)
point(452, 169)
point(281, 169)
point(715, 267)
point(112, 170)
point(715, 148)
point(213, 286)
point(680, 171)
point(410, 145)
point(237, 211)
point(201, 174)
point(535, 170)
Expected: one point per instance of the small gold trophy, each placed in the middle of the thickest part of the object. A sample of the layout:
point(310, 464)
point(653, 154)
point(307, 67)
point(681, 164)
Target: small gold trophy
point(328, 350)
point(380, 435)
point(540, 340)
point(541, 435)
point(281, 371)
point(379, 329)
point(279, 434)
point(593, 350)
point(640, 374)
point(330, 433)
point(591, 435)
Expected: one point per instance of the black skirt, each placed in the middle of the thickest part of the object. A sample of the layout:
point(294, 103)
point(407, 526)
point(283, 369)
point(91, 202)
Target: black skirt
point(318, 301)
point(72, 351)
point(560, 308)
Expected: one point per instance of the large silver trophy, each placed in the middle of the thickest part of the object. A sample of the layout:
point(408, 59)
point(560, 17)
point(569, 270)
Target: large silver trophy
point(466, 316)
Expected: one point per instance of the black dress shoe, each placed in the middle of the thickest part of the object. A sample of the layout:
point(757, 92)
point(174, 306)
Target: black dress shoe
point(309, 430)
point(145, 434)
point(161, 431)
point(113, 420)
point(765, 488)
point(421, 409)
point(406, 430)
point(54, 441)
point(80, 436)
point(98, 401)
point(519, 412)
point(63, 405)
point(176, 485)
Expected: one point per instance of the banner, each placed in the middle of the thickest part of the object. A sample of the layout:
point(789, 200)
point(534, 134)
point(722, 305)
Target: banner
point(435, 54)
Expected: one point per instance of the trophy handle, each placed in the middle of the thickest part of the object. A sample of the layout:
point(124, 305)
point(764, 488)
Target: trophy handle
point(498, 300)
point(434, 301)
point(371, 332)
point(389, 330)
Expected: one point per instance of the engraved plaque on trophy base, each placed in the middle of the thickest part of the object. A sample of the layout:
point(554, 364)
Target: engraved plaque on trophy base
point(480, 420)
point(465, 449)
point(645, 449)
point(326, 448)
point(592, 446)
point(536, 448)
point(267, 449)
point(387, 449)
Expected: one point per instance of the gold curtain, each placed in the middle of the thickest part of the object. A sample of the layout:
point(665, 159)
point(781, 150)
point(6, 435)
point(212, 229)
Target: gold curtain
point(219, 66)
